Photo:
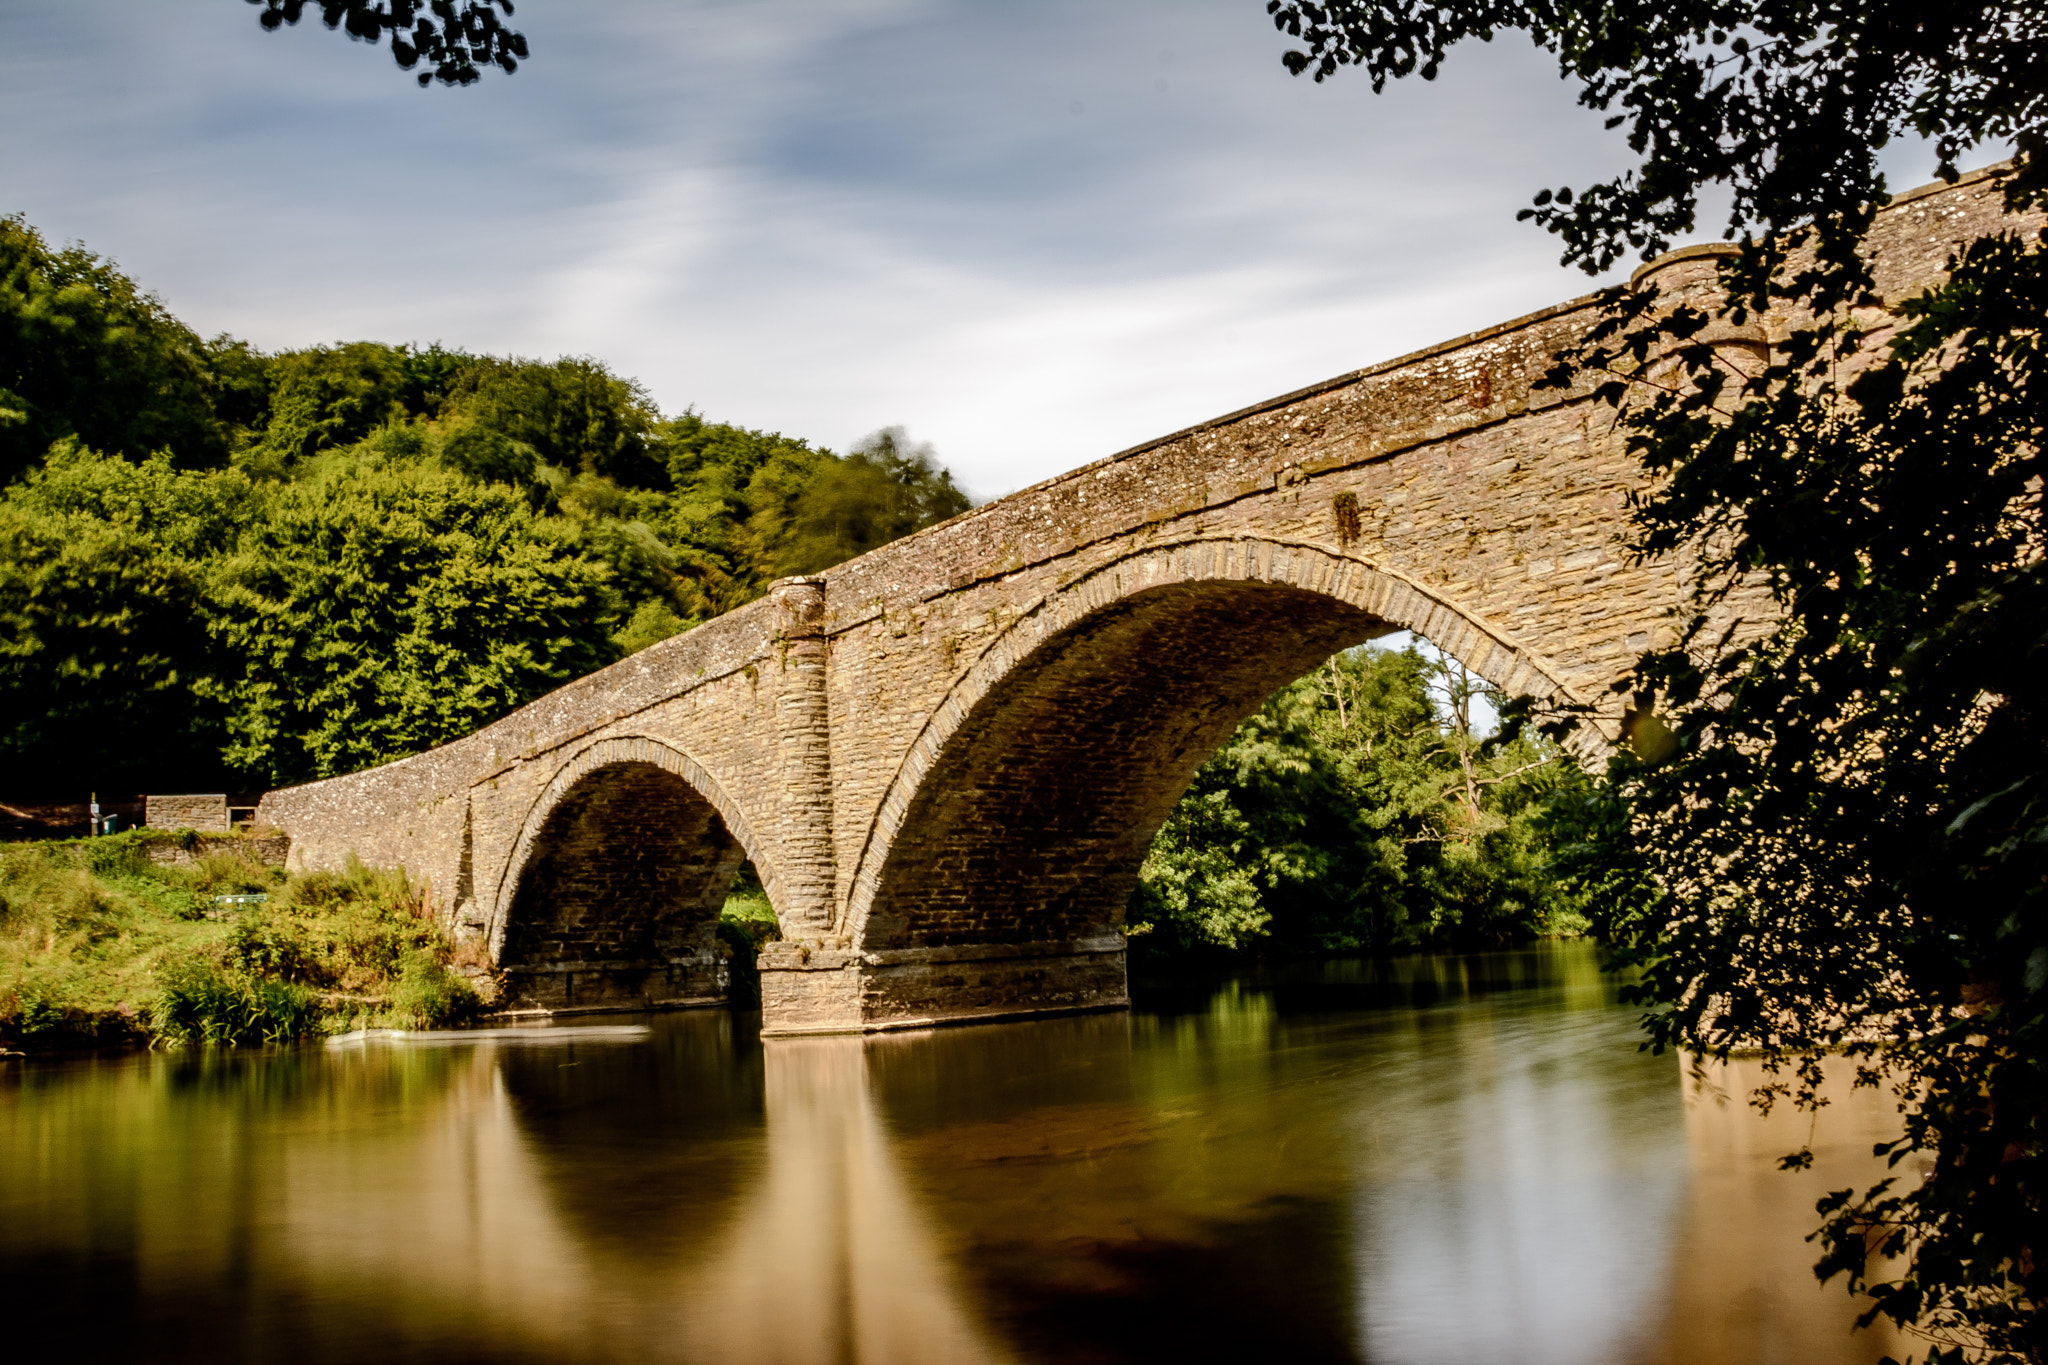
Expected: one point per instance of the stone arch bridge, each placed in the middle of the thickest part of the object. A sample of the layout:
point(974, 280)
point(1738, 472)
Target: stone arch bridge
point(948, 757)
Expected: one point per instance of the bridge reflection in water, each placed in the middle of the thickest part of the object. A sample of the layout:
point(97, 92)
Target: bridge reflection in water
point(1443, 1159)
point(800, 1246)
point(829, 1259)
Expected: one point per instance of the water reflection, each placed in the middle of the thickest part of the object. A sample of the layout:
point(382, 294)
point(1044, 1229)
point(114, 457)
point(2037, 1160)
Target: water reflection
point(831, 1260)
point(1745, 1290)
point(1516, 1207)
point(1438, 1160)
point(1132, 1188)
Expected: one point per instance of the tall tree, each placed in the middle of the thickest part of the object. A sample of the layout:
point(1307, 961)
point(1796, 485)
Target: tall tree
point(885, 488)
point(1361, 808)
point(103, 622)
point(573, 413)
point(85, 353)
point(375, 612)
point(1847, 848)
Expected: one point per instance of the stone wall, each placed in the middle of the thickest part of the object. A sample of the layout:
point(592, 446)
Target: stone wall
point(207, 813)
point(461, 818)
point(269, 850)
point(948, 757)
point(1037, 810)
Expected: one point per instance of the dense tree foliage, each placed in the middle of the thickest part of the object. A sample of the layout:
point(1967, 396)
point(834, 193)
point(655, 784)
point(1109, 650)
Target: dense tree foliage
point(221, 566)
point(373, 611)
point(85, 353)
point(458, 41)
point(1785, 103)
point(884, 489)
point(1360, 810)
point(1846, 848)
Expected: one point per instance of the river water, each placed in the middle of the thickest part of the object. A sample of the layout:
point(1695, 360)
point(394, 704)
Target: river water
point(1451, 1160)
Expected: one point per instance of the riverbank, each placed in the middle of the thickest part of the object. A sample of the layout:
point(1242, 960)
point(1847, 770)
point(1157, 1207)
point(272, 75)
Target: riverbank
point(171, 938)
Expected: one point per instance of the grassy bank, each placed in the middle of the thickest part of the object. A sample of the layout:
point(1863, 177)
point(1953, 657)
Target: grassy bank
point(100, 944)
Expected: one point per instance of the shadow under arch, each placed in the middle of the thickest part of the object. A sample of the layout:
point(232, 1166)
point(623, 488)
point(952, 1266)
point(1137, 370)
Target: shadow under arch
point(1023, 810)
point(613, 891)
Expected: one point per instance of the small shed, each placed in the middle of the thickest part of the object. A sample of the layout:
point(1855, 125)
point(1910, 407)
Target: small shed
point(207, 812)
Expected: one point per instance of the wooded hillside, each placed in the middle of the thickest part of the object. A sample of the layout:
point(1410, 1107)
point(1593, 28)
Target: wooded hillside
point(220, 566)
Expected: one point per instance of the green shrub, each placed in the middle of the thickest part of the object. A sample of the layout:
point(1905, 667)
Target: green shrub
point(36, 1012)
point(386, 887)
point(197, 1002)
point(176, 901)
point(257, 945)
point(98, 943)
point(428, 995)
point(223, 873)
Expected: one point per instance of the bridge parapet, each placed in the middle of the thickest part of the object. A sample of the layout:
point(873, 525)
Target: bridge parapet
point(453, 816)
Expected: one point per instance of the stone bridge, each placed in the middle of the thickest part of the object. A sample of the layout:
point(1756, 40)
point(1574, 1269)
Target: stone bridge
point(947, 758)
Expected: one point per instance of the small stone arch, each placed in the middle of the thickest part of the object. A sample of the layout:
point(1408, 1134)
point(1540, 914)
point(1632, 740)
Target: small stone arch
point(616, 878)
point(1217, 584)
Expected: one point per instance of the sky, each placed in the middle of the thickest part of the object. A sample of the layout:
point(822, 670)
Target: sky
point(1034, 232)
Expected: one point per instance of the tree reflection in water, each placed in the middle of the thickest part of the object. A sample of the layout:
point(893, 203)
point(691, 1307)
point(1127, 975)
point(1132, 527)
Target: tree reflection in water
point(1439, 1159)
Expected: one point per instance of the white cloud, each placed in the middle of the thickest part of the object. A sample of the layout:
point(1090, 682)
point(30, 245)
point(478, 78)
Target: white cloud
point(817, 217)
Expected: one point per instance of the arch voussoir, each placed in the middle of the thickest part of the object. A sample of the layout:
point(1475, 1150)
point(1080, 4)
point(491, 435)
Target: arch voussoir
point(614, 752)
point(1347, 579)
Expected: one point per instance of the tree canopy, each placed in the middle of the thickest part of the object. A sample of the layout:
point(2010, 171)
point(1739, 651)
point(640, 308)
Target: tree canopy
point(84, 353)
point(1360, 810)
point(1846, 848)
point(220, 565)
point(1785, 103)
point(457, 41)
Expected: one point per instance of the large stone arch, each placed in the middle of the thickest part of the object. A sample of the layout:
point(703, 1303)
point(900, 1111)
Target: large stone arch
point(612, 891)
point(1022, 810)
point(843, 705)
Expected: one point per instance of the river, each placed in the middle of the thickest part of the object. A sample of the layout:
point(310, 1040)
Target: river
point(1450, 1160)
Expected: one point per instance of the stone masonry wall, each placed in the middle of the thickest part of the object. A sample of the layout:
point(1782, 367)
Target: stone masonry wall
point(208, 813)
point(454, 816)
point(1031, 826)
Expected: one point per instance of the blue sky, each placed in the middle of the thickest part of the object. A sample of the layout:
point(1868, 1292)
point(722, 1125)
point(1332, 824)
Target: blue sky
point(1033, 231)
